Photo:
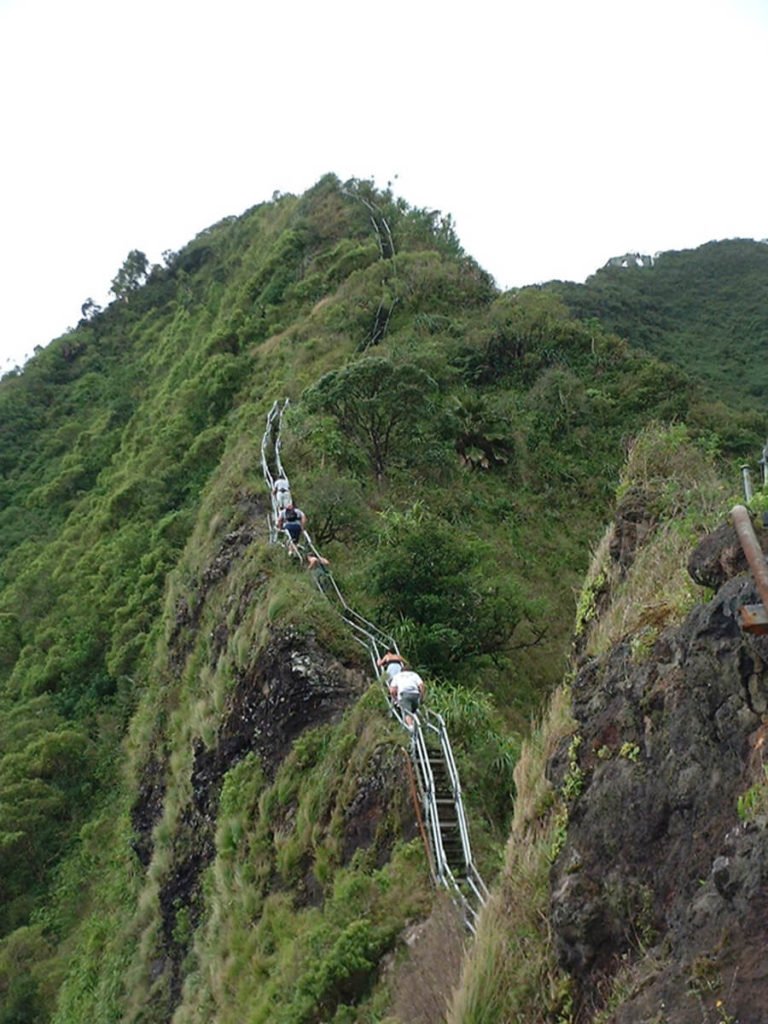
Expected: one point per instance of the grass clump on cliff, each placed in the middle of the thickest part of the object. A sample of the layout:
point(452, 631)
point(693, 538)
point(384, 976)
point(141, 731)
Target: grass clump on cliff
point(670, 494)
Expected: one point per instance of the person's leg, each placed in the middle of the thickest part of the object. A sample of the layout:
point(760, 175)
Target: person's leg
point(294, 533)
point(408, 704)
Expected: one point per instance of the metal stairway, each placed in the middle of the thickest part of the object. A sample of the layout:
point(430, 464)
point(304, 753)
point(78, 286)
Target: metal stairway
point(438, 788)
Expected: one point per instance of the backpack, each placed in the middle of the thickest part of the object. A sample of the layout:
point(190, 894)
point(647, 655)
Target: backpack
point(291, 515)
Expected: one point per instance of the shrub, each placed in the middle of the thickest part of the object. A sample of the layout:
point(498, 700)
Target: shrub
point(378, 406)
point(437, 587)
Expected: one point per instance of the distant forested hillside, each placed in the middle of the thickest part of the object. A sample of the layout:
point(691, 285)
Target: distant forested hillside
point(705, 309)
point(163, 854)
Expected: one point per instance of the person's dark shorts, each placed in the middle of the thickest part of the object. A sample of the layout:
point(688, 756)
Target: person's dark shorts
point(294, 531)
point(409, 701)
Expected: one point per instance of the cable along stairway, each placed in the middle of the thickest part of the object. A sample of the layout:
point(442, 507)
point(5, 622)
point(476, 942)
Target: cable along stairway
point(432, 767)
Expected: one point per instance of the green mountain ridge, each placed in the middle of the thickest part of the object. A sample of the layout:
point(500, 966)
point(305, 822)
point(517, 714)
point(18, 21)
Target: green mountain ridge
point(703, 308)
point(177, 842)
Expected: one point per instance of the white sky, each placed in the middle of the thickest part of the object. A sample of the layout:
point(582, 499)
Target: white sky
point(557, 133)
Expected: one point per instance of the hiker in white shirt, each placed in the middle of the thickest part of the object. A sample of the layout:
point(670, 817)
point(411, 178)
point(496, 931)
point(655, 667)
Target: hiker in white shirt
point(407, 689)
point(281, 492)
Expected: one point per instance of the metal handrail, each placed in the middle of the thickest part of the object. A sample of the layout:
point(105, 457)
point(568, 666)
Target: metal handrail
point(750, 545)
point(456, 785)
point(442, 870)
point(746, 482)
point(429, 800)
point(268, 441)
point(746, 475)
point(445, 744)
point(271, 439)
point(386, 245)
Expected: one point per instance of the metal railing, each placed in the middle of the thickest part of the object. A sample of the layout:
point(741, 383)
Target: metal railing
point(430, 749)
point(746, 483)
point(270, 459)
point(746, 475)
point(443, 810)
point(386, 245)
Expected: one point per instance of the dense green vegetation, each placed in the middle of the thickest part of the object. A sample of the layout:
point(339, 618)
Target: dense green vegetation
point(705, 309)
point(456, 459)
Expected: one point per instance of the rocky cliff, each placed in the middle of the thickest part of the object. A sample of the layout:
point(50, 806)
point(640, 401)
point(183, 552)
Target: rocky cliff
point(658, 896)
point(302, 776)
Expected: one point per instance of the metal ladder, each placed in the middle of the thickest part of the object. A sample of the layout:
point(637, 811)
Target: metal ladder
point(439, 787)
point(433, 766)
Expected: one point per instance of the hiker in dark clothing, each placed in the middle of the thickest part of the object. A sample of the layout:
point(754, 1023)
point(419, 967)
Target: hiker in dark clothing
point(293, 521)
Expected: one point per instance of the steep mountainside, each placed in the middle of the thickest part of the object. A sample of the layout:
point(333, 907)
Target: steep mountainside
point(205, 812)
point(659, 893)
point(704, 309)
point(639, 843)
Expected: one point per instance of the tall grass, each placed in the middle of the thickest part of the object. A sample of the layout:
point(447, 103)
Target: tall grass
point(510, 975)
point(657, 593)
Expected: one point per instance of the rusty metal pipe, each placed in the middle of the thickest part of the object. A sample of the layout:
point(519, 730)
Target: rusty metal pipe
point(752, 550)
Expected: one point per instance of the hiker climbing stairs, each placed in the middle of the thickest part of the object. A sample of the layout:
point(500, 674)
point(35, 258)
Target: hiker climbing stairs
point(438, 789)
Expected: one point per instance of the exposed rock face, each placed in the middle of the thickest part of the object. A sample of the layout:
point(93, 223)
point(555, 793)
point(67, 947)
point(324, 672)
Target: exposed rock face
point(657, 860)
point(717, 558)
point(188, 616)
point(634, 521)
point(291, 684)
point(148, 808)
point(294, 684)
point(378, 791)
